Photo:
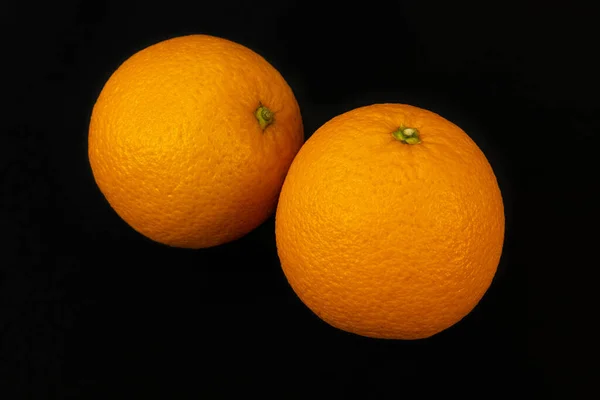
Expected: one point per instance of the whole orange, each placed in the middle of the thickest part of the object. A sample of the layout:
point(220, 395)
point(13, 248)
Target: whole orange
point(390, 222)
point(190, 140)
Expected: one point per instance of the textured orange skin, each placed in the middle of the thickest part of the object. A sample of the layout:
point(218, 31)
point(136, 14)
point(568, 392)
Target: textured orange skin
point(385, 239)
point(176, 149)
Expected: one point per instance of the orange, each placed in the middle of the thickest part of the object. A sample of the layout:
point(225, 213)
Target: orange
point(390, 223)
point(190, 140)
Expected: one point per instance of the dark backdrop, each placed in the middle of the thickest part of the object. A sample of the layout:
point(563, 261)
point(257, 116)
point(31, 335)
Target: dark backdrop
point(91, 309)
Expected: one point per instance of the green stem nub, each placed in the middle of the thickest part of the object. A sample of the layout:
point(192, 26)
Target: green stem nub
point(264, 116)
point(407, 135)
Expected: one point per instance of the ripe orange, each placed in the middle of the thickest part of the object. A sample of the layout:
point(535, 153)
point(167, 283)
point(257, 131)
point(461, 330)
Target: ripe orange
point(390, 222)
point(191, 138)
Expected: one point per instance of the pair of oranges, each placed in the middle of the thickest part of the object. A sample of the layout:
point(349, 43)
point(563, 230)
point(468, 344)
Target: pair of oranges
point(389, 219)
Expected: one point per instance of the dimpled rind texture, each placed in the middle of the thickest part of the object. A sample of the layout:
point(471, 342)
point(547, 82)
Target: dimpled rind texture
point(175, 146)
point(385, 239)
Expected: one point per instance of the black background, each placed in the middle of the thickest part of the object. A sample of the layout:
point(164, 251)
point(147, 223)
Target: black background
point(91, 309)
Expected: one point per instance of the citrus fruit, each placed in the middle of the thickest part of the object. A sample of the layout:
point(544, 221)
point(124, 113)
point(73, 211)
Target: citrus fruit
point(390, 222)
point(190, 140)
